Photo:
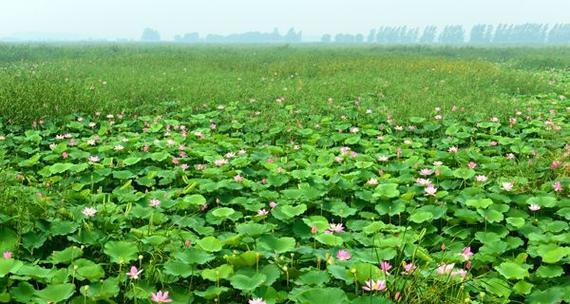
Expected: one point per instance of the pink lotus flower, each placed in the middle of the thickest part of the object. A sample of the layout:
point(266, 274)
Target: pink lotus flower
point(372, 182)
point(409, 268)
point(510, 156)
point(493, 143)
point(94, 158)
point(453, 149)
point(262, 212)
point(383, 158)
point(534, 207)
point(426, 172)
point(184, 167)
point(557, 186)
point(481, 178)
point(555, 165)
point(89, 211)
point(460, 272)
point(272, 204)
point(160, 297)
point(385, 266)
point(343, 255)
point(507, 186)
point(430, 190)
point(338, 228)
point(64, 155)
point(445, 268)
point(423, 181)
point(466, 254)
point(256, 301)
point(472, 165)
point(238, 178)
point(154, 202)
point(7, 255)
point(220, 162)
point(372, 285)
point(344, 150)
point(134, 273)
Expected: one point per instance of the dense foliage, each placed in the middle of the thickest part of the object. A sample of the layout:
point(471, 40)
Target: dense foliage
point(223, 206)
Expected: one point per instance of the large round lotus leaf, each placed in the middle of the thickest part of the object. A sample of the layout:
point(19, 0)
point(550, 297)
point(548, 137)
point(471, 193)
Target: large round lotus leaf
point(121, 252)
point(329, 239)
point(210, 244)
point(247, 283)
point(56, 292)
point(194, 256)
point(366, 271)
point(223, 212)
point(221, 272)
point(479, 203)
point(278, 245)
point(321, 296)
point(512, 271)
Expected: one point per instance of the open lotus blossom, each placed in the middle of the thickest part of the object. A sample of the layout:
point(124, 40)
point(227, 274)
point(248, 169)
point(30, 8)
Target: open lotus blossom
point(438, 163)
point(134, 273)
point(510, 156)
point(385, 266)
point(7, 255)
point(372, 182)
point(154, 202)
point(160, 297)
point(445, 268)
point(438, 117)
point(94, 158)
point(343, 255)
point(220, 162)
point(466, 253)
point(481, 178)
point(426, 172)
point(238, 178)
point(430, 190)
point(256, 301)
point(534, 207)
point(262, 212)
point(354, 130)
point(493, 143)
point(89, 211)
point(423, 181)
point(338, 228)
point(408, 268)
point(453, 149)
point(344, 150)
point(507, 186)
point(472, 165)
point(383, 158)
point(119, 148)
point(372, 285)
point(555, 165)
point(557, 186)
point(459, 272)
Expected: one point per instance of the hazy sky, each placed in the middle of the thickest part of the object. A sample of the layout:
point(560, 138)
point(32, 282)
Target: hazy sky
point(127, 18)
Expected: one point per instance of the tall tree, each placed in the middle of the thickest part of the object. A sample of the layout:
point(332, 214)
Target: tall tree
point(150, 35)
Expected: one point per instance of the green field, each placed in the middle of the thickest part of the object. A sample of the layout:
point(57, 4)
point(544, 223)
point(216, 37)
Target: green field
point(284, 174)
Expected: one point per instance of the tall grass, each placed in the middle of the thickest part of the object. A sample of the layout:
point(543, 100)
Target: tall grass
point(38, 81)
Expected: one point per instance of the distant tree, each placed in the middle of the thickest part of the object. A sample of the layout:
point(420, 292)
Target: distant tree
point(452, 34)
point(428, 35)
point(188, 38)
point(150, 35)
point(371, 36)
point(559, 34)
point(359, 38)
point(293, 36)
point(326, 38)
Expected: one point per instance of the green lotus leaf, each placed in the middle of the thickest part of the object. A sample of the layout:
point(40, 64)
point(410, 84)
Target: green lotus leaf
point(56, 292)
point(121, 252)
point(247, 283)
point(512, 271)
point(210, 244)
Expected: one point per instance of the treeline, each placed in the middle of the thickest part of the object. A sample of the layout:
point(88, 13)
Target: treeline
point(291, 36)
point(529, 33)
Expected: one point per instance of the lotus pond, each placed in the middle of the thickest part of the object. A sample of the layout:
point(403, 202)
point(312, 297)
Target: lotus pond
point(222, 205)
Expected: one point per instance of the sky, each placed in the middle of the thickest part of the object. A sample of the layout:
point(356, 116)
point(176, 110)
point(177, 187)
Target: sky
point(110, 19)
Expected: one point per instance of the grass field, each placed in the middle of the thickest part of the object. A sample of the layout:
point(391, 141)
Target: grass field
point(280, 174)
point(45, 81)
